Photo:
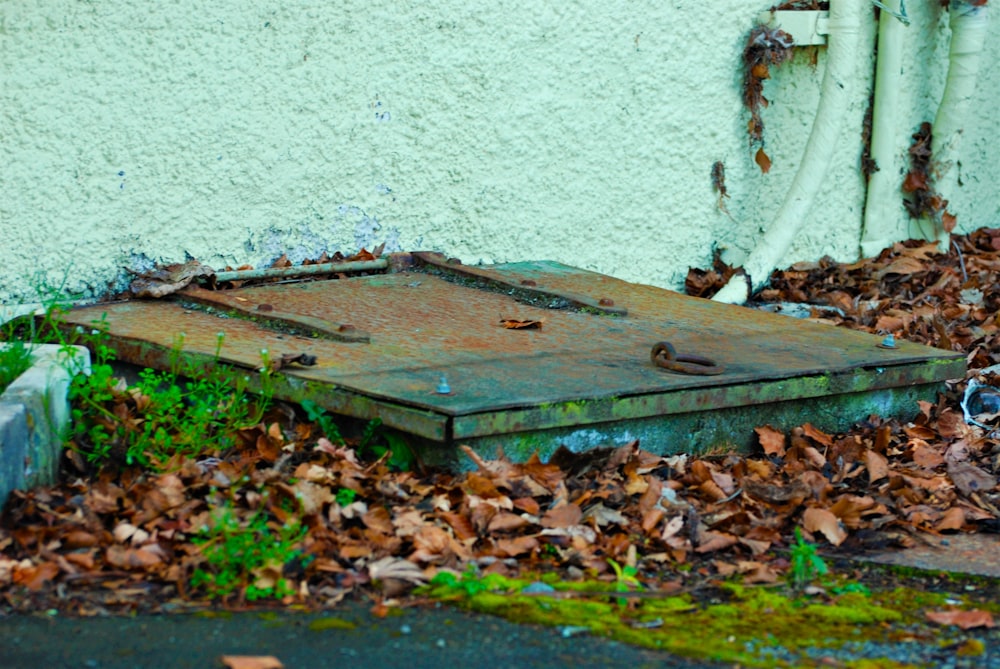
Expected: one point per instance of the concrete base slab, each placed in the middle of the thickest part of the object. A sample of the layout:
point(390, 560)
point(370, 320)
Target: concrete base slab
point(13, 438)
point(959, 553)
point(34, 414)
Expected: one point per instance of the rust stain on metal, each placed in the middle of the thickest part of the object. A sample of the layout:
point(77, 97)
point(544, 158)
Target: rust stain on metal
point(231, 301)
point(531, 286)
point(387, 340)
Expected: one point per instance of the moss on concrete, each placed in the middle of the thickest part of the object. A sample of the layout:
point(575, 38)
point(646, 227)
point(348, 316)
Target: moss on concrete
point(754, 626)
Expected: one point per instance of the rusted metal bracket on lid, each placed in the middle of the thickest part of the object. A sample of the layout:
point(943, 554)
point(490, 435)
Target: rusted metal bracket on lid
point(526, 290)
point(665, 356)
point(302, 271)
point(266, 315)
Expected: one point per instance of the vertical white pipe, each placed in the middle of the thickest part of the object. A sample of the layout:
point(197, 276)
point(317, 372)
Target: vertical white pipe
point(835, 99)
point(969, 24)
point(883, 202)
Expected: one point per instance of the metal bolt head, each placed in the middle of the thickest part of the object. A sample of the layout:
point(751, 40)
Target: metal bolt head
point(443, 388)
point(889, 341)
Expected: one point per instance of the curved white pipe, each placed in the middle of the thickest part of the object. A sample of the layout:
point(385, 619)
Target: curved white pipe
point(882, 203)
point(844, 26)
point(969, 23)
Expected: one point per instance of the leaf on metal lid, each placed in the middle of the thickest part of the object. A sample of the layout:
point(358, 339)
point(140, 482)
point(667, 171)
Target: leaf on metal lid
point(513, 324)
point(169, 279)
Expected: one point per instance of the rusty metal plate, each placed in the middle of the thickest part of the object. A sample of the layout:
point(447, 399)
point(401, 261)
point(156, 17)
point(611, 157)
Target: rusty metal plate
point(383, 342)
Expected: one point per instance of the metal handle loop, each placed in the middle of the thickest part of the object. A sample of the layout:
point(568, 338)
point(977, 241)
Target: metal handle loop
point(664, 356)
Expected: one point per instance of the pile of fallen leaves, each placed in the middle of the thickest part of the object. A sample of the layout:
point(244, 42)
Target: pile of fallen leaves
point(126, 539)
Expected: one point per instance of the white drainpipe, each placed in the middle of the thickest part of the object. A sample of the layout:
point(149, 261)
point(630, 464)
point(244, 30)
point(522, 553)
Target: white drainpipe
point(883, 202)
point(835, 98)
point(969, 23)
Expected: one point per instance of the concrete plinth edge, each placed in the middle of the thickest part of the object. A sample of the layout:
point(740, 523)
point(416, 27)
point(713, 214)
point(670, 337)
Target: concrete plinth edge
point(34, 415)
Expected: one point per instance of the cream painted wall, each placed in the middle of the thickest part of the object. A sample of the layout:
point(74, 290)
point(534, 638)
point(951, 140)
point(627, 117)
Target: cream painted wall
point(977, 200)
point(581, 131)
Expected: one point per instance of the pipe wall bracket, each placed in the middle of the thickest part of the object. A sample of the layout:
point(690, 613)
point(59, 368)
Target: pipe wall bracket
point(807, 27)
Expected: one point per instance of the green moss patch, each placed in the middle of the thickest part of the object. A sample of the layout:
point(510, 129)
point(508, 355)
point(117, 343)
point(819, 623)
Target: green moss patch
point(754, 626)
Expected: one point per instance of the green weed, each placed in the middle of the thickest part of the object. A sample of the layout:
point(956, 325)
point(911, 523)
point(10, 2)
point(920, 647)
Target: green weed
point(245, 556)
point(15, 359)
point(189, 409)
point(374, 442)
point(21, 334)
point(626, 580)
point(806, 564)
point(323, 420)
point(345, 496)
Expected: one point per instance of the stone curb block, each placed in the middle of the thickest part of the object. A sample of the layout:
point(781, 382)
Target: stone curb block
point(34, 415)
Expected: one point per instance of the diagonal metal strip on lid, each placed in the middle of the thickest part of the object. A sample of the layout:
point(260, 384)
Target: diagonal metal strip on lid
point(384, 341)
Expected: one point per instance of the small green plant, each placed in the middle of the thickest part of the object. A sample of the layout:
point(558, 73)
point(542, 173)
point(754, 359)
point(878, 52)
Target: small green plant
point(626, 580)
point(374, 442)
point(15, 359)
point(345, 496)
point(245, 556)
point(401, 457)
point(806, 564)
point(470, 583)
point(851, 587)
point(21, 334)
point(188, 409)
point(324, 420)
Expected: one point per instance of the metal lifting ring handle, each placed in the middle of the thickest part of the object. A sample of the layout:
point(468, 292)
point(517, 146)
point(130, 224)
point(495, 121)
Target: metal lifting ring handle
point(664, 355)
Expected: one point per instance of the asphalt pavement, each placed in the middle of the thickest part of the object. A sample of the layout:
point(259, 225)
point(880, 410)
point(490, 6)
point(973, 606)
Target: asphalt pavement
point(440, 637)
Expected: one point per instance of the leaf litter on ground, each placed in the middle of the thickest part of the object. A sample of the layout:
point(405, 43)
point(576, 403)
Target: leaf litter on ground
point(125, 539)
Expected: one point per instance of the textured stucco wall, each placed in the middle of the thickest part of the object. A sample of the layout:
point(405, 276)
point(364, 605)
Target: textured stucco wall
point(976, 201)
point(581, 131)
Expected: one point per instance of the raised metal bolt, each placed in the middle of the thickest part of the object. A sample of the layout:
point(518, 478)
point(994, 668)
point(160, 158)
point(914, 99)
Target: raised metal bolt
point(443, 388)
point(889, 341)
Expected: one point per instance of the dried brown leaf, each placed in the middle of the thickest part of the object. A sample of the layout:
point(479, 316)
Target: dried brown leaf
point(876, 464)
point(397, 569)
point(762, 160)
point(952, 519)
point(251, 662)
point(460, 524)
point(506, 522)
point(963, 619)
point(794, 493)
point(565, 515)
point(516, 546)
point(825, 522)
point(715, 541)
point(771, 440)
point(970, 479)
point(817, 434)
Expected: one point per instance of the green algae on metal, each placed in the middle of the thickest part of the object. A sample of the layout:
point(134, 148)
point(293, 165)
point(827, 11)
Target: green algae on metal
point(737, 623)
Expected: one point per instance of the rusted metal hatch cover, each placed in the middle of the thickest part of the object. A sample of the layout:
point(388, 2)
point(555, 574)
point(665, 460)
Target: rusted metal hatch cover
point(428, 346)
